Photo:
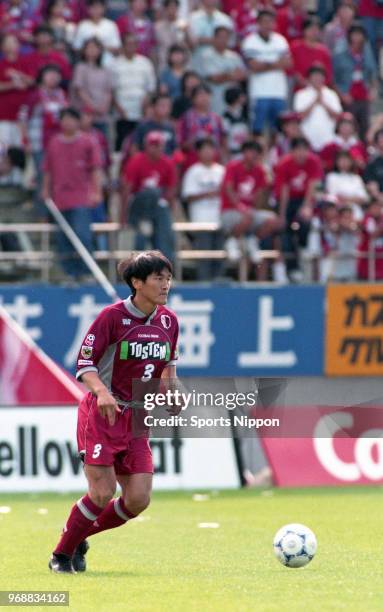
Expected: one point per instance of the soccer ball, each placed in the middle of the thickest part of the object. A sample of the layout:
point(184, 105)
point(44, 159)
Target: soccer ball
point(295, 545)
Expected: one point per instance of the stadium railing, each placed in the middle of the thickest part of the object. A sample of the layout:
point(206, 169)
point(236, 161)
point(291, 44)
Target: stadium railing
point(43, 255)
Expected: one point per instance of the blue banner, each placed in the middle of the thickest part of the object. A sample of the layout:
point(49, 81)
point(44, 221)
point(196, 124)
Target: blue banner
point(224, 331)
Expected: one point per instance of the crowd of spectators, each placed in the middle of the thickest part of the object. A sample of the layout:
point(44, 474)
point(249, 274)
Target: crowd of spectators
point(259, 116)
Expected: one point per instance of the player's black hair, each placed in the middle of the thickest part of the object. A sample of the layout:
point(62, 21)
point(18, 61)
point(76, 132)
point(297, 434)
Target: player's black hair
point(141, 265)
point(232, 95)
point(166, 3)
point(159, 96)
point(300, 141)
point(251, 145)
point(202, 142)
point(70, 112)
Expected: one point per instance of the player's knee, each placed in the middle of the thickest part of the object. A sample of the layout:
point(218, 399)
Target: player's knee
point(102, 494)
point(137, 502)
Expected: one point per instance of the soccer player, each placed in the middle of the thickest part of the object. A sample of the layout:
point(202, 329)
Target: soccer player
point(134, 339)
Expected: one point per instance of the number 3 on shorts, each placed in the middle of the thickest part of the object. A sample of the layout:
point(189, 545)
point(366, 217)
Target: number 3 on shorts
point(96, 451)
point(148, 372)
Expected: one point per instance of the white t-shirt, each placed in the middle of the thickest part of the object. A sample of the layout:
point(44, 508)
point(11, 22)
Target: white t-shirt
point(134, 78)
point(271, 83)
point(348, 185)
point(200, 179)
point(318, 127)
point(105, 30)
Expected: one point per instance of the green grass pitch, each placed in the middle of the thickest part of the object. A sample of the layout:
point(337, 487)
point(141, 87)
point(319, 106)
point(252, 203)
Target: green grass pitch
point(165, 562)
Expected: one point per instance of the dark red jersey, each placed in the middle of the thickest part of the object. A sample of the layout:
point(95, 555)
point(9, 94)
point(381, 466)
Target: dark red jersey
point(124, 345)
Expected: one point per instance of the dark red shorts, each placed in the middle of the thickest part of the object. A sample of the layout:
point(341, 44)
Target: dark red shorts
point(102, 444)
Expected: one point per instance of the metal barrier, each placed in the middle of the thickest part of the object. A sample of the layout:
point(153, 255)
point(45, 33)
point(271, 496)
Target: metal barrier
point(45, 254)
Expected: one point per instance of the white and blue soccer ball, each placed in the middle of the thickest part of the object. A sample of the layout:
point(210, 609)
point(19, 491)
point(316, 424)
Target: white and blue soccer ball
point(295, 545)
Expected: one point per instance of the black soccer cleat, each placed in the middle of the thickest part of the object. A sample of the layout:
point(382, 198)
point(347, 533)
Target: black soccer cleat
point(78, 559)
point(61, 564)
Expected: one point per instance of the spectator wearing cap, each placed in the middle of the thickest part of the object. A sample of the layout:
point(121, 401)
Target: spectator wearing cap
point(221, 68)
point(201, 122)
point(373, 174)
point(170, 30)
point(170, 78)
point(335, 32)
point(290, 20)
point(45, 53)
point(235, 121)
point(15, 80)
point(148, 194)
point(356, 77)
point(319, 108)
point(201, 188)
point(289, 128)
point(202, 24)
point(40, 120)
point(309, 51)
point(243, 196)
point(268, 57)
point(92, 84)
point(345, 139)
point(371, 14)
point(97, 26)
point(72, 178)
point(135, 82)
point(137, 23)
point(297, 177)
point(159, 121)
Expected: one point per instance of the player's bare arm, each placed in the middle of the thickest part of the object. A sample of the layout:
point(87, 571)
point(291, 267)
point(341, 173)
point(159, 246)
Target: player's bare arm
point(106, 403)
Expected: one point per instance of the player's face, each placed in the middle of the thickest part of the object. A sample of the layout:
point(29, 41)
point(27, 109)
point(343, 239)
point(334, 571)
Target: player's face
point(156, 287)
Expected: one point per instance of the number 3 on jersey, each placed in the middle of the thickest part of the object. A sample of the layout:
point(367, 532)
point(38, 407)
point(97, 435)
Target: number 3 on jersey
point(148, 372)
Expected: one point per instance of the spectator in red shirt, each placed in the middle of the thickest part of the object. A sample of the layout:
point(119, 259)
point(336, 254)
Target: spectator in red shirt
point(346, 139)
point(72, 179)
point(371, 242)
point(45, 53)
point(296, 178)
point(243, 192)
point(309, 51)
point(15, 80)
point(290, 20)
point(136, 22)
point(148, 191)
